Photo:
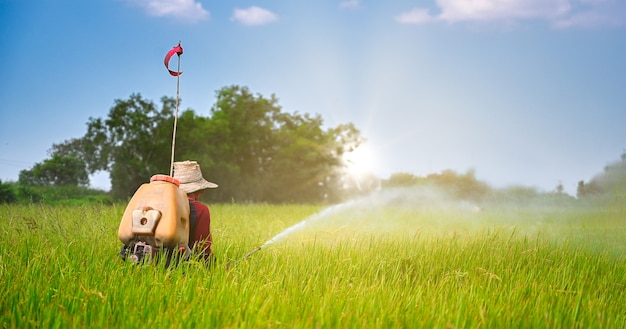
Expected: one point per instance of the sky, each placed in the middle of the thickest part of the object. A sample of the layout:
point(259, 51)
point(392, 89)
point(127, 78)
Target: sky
point(522, 92)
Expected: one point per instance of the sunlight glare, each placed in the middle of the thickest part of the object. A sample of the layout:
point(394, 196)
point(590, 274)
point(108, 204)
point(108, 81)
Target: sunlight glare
point(359, 162)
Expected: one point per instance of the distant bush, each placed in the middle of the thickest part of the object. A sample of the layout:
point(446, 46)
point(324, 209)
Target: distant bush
point(462, 186)
point(607, 187)
point(7, 193)
point(68, 195)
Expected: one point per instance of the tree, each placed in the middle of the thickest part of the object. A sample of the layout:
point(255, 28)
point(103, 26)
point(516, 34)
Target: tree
point(132, 144)
point(591, 189)
point(59, 170)
point(306, 164)
point(611, 183)
point(7, 194)
point(240, 133)
point(464, 186)
point(402, 179)
point(264, 154)
point(559, 188)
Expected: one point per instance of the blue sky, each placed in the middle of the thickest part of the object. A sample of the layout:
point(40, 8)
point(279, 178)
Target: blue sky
point(527, 92)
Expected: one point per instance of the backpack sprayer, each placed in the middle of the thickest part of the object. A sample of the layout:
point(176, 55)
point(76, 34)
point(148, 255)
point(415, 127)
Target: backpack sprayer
point(157, 216)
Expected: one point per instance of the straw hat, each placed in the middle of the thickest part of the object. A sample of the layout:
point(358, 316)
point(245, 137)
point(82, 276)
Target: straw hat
point(190, 177)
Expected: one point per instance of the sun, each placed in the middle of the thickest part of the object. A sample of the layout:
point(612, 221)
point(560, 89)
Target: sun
point(359, 162)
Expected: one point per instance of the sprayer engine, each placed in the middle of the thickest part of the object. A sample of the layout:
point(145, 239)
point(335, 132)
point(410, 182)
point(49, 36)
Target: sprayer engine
point(137, 252)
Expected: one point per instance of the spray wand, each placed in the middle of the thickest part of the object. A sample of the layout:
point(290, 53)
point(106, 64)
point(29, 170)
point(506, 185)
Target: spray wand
point(246, 256)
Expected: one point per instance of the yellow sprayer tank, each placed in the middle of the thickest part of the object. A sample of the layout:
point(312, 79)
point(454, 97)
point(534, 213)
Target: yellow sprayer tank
point(158, 214)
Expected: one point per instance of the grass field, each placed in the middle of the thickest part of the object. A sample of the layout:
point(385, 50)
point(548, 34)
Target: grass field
point(381, 262)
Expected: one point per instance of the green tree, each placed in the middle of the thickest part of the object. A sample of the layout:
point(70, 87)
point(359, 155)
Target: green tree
point(58, 170)
point(307, 160)
point(402, 179)
point(132, 143)
point(264, 154)
point(240, 133)
point(611, 183)
point(585, 190)
point(464, 186)
point(7, 194)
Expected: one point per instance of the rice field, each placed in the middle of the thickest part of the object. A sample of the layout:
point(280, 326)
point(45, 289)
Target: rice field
point(380, 262)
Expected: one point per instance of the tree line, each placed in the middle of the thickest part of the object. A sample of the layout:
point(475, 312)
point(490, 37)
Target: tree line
point(249, 146)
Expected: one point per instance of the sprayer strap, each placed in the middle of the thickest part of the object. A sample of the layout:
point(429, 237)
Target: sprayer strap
point(193, 219)
point(165, 178)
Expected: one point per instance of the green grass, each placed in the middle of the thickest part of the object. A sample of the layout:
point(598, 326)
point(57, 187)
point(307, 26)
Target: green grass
point(365, 265)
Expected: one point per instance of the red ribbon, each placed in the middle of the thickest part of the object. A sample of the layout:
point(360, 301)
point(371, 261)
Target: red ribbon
point(176, 50)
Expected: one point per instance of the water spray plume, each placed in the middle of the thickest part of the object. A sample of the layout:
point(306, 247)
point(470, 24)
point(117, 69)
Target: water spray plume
point(393, 211)
point(433, 213)
point(292, 229)
point(375, 200)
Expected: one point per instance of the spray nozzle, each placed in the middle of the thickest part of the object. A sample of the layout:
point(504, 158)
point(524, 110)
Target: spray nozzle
point(246, 256)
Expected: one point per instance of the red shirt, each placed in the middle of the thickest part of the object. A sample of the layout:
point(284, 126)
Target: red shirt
point(202, 233)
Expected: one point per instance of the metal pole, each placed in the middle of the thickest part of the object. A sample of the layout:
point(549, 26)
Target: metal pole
point(176, 115)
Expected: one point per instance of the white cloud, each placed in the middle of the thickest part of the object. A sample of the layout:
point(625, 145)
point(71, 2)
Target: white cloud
point(558, 13)
point(415, 16)
point(471, 10)
point(350, 4)
point(254, 16)
point(587, 19)
point(595, 13)
point(188, 10)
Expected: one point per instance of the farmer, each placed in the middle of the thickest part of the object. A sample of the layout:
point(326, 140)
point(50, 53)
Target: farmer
point(191, 181)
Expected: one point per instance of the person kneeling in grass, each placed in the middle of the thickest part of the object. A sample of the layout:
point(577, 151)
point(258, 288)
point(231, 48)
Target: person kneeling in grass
point(193, 183)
